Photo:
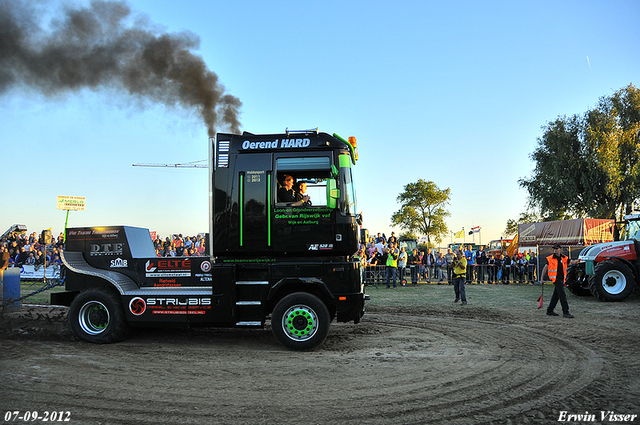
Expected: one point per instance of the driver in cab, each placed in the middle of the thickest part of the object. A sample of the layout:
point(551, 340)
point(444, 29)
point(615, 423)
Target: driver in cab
point(289, 196)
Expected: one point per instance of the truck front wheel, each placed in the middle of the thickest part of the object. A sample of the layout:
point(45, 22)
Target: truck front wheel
point(612, 281)
point(300, 321)
point(96, 315)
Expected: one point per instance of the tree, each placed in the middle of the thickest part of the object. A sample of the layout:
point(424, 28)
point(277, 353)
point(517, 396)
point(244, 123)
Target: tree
point(512, 225)
point(587, 166)
point(408, 235)
point(422, 209)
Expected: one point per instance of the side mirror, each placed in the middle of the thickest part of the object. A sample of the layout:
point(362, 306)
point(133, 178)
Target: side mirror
point(334, 171)
point(333, 193)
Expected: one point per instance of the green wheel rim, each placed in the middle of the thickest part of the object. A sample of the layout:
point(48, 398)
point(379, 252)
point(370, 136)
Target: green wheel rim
point(300, 322)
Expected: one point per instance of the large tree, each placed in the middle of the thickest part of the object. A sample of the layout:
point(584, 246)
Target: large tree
point(512, 225)
point(422, 210)
point(587, 166)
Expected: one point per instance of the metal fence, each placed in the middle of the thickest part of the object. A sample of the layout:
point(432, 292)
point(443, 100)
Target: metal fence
point(485, 273)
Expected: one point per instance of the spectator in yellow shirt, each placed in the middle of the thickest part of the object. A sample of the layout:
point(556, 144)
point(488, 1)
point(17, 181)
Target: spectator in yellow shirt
point(459, 276)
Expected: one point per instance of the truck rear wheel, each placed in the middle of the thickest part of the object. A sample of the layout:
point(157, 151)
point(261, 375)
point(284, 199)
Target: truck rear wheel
point(300, 321)
point(612, 281)
point(577, 280)
point(96, 315)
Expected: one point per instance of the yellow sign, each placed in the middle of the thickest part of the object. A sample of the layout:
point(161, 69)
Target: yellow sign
point(71, 203)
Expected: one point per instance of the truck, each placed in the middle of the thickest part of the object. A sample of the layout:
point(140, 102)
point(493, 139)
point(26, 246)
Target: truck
point(498, 247)
point(609, 271)
point(268, 260)
point(409, 244)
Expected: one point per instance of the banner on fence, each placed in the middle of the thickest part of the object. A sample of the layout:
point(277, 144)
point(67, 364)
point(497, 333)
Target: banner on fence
point(580, 231)
point(30, 272)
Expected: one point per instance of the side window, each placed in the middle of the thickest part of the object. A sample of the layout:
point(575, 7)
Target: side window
point(302, 182)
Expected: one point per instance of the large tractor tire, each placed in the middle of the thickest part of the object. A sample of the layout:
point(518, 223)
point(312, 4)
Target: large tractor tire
point(96, 315)
point(300, 321)
point(577, 281)
point(612, 281)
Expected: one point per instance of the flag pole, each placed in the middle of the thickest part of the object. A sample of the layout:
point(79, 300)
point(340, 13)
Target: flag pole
point(541, 299)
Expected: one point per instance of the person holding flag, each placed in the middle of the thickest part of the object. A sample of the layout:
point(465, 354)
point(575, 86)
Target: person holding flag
point(556, 270)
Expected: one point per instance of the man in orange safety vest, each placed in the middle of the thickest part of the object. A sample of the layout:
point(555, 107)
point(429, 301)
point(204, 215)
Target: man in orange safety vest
point(556, 270)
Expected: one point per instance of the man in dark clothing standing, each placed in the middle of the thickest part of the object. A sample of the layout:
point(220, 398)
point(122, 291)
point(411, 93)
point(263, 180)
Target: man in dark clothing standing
point(556, 269)
point(481, 264)
point(414, 263)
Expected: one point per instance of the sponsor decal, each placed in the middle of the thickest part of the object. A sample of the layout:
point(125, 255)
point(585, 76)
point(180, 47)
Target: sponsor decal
point(276, 144)
point(97, 250)
point(167, 283)
point(205, 266)
point(170, 305)
point(179, 312)
point(174, 301)
point(99, 233)
point(254, 176)
point(249, 260)
point(137, 306)
point(118, 262)
point(78, 232)
point(320, 247)
point(303, 216)
point(204, 277)
point(149, 266)
point(168, 268)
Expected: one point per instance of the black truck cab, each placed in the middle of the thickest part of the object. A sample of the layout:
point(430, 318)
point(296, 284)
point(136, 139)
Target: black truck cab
point(270, 258)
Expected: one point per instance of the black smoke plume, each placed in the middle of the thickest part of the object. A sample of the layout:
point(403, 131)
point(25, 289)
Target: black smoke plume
point(105, 46)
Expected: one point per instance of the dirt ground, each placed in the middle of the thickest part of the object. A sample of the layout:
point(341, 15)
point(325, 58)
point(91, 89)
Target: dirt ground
point(443, 364)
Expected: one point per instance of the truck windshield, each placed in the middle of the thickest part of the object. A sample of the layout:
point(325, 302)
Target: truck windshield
point(409, 245)
point(633, 230)
point(350, 207)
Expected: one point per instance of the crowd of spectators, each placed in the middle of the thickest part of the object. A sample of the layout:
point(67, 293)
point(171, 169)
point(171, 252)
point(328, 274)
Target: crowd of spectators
point(19, 248)
point(436, 265)
point(179, 246)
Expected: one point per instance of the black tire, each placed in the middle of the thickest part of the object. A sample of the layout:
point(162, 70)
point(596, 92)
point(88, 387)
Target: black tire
point(577, 281)
point(96, 315)
point(300, 321)
point(612, 281)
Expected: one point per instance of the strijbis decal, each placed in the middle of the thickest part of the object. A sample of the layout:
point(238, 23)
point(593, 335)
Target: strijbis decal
point(137, 306)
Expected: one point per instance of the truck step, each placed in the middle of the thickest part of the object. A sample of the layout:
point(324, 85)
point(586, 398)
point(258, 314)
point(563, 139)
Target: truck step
point(249, 323)
point(249, 308)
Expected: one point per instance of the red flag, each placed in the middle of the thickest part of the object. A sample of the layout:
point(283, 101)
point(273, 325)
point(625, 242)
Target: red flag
point(541, 295)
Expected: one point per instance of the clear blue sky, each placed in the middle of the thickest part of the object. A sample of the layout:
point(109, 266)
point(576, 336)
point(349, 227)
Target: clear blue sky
point(453, 92)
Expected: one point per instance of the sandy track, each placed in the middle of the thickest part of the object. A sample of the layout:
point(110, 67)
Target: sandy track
point(395, 367)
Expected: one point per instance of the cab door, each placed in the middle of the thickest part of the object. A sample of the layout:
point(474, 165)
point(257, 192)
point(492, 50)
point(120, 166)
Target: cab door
point(254, 180)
